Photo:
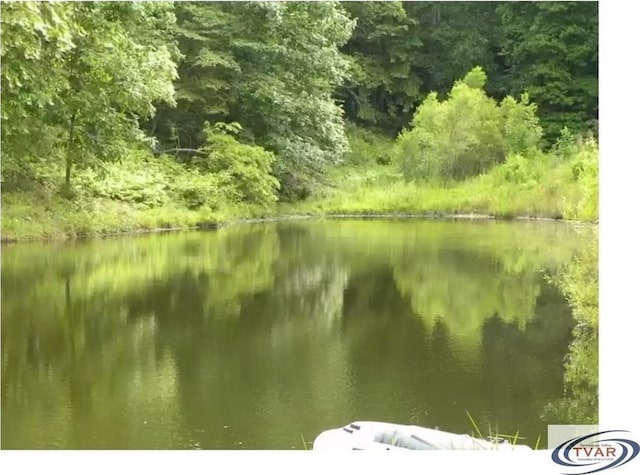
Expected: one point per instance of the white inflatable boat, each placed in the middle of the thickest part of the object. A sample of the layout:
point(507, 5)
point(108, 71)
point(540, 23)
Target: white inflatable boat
point(368, 435)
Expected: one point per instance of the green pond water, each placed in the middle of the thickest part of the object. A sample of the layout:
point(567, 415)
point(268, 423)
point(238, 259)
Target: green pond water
point(260, 336)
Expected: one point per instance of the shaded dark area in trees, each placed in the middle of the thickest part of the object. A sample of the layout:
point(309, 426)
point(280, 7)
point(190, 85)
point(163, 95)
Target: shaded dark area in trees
point(403, 50)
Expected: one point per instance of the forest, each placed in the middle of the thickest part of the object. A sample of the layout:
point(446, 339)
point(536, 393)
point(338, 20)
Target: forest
point(120, 116)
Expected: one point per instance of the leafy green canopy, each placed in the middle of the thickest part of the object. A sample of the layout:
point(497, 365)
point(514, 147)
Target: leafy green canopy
point(78, 76)
point(272, 68)
point(400, 50)
point(244, 170)
point(36, 37)
point(383, 86)
point(466, 134)
point(551, 51)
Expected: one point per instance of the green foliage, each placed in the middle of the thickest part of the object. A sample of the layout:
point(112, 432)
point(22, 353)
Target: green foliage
point(456, 138)
point(383, 86)
point(536, 185)
point(36, 38)
point(585, 170)
point(138, 193)
point(476, 78)
point(579, 283)
point(367, 147)
point(522, 132)
point(517, 169)
point(566, 146)
point(244, 170)
point(533, 185)
point(535, 35)
point(467, 134)
point(399, 50)
point(77, 78)
point(144, 187)
point(455, 36)
point(82, 75)
point(288, 104)
point(273, 68)
point(147, 183)
point(207, 72)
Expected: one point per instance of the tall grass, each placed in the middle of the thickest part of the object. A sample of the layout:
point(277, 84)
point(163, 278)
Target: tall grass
point(495, 435)
point(553, 195)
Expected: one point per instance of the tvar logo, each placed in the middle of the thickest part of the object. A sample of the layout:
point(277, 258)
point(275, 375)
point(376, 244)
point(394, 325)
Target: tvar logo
point(595, 452)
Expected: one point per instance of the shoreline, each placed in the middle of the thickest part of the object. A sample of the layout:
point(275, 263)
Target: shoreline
point(209, 225)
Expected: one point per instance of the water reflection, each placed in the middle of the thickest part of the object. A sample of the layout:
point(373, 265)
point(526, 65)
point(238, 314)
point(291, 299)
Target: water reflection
point(249, 337)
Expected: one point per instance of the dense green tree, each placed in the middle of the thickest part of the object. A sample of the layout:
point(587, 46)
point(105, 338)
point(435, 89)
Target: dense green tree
point(551, 52)
point(271, 67)
point(78, 77)
point(455, 37)
point(466, 134)
point(383, 87)
point(245, 169)
point(292, 67)
point(83, 74)
point(35, 39)
point(402, 51)
point(207, 72)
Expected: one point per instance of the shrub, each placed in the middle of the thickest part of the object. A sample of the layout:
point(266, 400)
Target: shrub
point(368, 147)
point(522, 131)
point(585, 169)
point(566, 146)
point(196, 190)
point(466, 134)
point(133, 180)
point(244, 170)
point(514, 170)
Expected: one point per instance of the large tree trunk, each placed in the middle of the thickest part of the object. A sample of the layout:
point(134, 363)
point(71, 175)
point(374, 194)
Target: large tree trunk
point(67, 174)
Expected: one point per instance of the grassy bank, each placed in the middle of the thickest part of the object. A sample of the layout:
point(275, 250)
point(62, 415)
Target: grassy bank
point(559, 184)
point(366, 191)
point(147, 193)
point(27, 217)
point(144, 194)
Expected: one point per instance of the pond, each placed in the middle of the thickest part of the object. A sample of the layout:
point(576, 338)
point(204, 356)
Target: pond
point(261, 336)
